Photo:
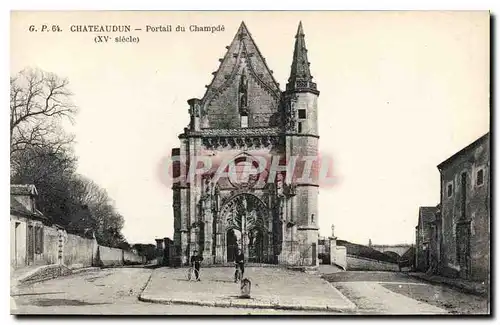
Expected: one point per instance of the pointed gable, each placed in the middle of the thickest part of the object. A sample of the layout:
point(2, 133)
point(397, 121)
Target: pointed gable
point(243, 71)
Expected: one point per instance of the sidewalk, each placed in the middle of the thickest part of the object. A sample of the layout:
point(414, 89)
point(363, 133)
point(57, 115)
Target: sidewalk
point(274, 288)
point(480, 289)
point(38, 273)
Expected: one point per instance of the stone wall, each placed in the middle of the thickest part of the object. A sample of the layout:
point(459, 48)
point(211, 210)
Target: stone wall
point(20, 226)
point(131, 258)
point(78, 252)
point(340, 257)
point(300, 253)
point(476, 216)
point(51, 240)
point(305, 202)
point(338, 254)
point(17, 241)
point(309, 102)
point(222, 112)
point(356, 263)
point(61, 248)
point(426, 239)
point(110, 256)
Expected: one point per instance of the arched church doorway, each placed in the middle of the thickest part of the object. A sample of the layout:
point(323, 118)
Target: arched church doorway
point(232, 245)
point(256, 246)
point(246, 220)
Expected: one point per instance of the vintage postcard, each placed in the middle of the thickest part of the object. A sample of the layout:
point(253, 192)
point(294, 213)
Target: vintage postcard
point(250, 162)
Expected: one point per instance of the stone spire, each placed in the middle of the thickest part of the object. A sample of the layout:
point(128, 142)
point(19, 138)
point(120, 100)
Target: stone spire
point(300, 75)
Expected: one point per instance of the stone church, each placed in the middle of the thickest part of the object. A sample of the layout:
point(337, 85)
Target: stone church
point(244, 116)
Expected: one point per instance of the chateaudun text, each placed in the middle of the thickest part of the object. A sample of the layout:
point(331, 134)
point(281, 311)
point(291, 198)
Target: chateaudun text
point(148, 28)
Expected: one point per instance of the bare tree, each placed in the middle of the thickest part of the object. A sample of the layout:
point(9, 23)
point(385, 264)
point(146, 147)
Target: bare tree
point(94, 194)
point(38, 102)
point(41, 154)
point(34, 164)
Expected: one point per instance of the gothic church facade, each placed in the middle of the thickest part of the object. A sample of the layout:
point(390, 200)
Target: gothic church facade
point(244, 115)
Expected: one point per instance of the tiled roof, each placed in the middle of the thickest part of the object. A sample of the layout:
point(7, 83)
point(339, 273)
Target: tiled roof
point(427, 214)
point(23, 189)
point(17, 208)
point(464, 150)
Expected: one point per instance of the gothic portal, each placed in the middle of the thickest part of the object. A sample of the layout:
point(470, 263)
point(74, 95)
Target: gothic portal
point(246, 119)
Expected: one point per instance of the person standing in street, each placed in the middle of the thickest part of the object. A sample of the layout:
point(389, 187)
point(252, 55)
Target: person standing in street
point(239, 261)
point(196, 263)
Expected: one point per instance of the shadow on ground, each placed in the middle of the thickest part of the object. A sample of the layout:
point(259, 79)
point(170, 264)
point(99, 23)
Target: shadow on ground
point(35, 294)
point(63, 302)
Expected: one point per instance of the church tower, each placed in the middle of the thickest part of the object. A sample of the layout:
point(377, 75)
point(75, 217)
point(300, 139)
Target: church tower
point(301, 140)
point(242, 118)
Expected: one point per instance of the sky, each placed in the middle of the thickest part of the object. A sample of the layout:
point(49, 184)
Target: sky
point(400, 93)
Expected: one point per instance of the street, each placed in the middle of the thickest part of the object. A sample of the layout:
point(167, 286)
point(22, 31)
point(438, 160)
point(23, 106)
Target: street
point(109, 291)
point(397, 293)
point(115, 291)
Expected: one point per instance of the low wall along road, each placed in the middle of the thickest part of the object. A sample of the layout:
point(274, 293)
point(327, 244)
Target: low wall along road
point(356, 263)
